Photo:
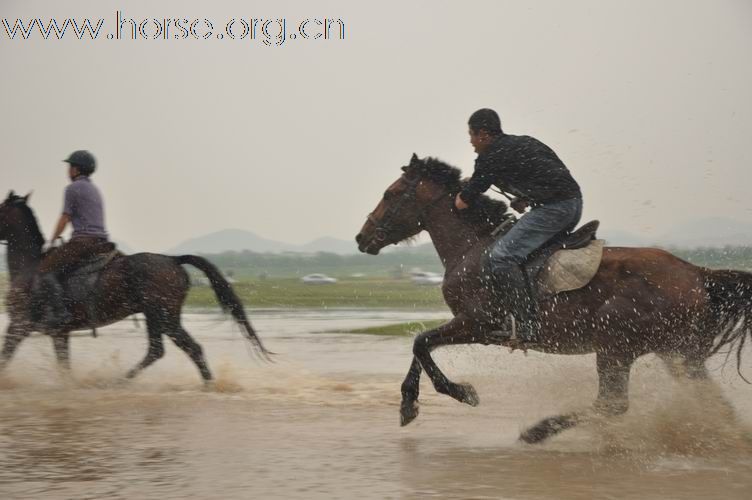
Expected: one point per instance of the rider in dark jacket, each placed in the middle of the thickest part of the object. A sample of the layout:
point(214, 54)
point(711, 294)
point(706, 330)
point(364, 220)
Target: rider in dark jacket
point(536, 177)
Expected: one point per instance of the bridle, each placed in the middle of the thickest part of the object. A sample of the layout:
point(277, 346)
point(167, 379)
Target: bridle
point(386, 225)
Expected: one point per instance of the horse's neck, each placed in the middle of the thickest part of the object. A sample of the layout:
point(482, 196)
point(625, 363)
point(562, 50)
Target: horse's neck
point(24, 248)
point(452, 237)
point(22, 258)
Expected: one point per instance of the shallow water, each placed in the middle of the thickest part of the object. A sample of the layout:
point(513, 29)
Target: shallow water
point(322, 422)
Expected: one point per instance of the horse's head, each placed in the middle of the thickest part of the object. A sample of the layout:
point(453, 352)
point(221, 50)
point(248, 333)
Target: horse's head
point(400, 212)
point(16, 217)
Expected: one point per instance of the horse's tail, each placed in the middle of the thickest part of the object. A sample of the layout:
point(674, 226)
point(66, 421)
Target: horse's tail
point(731, 303)
point(227, 298)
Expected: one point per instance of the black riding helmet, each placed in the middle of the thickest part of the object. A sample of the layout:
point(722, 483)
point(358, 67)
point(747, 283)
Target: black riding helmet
point(83, 160)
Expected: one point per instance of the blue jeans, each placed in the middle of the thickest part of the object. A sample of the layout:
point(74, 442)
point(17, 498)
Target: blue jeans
point(533, 230)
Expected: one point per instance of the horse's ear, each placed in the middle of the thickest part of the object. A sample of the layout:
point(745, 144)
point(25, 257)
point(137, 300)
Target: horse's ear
point(405, 169)
point(11, 195)
point(414, 159)
point(26, 198)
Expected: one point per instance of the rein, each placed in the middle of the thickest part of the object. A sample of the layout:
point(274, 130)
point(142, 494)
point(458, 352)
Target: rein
point(385, 226)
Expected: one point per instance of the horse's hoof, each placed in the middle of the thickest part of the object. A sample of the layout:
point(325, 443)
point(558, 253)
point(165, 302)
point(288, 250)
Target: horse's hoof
point(533, 435)
point(549, 427)
point(408, 412)
point(468, 395)
point(210, 386)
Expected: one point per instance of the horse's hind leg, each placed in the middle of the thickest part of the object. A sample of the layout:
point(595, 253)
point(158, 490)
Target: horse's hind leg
point(549, 427)
point(613, 384)
point(192, 348)
point(612, 400)
point(156, 348)
point(683, 367)
point(61, 343)
point(691, 370)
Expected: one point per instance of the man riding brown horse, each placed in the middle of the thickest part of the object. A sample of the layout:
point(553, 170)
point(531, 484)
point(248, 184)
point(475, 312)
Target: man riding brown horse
point(83, 208)
point(531, 171)
point(640, 301)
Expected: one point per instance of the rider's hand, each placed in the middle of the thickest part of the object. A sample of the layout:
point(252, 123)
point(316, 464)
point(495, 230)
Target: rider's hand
point(519, 205)
point(460, 203)
point(50, 244)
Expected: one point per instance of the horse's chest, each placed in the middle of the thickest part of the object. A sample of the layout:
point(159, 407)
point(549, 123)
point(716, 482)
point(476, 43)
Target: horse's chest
point(461, 288)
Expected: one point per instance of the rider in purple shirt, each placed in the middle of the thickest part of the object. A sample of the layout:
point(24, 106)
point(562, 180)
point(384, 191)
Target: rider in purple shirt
point(83, 208)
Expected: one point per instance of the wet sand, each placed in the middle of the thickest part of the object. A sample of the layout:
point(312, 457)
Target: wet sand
point(323, 421)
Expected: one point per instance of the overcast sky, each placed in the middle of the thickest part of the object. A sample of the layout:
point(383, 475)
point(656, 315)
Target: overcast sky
point(649, 103)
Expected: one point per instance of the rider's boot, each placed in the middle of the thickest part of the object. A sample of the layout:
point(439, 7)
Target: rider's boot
point(56, 312)
point(521, 321)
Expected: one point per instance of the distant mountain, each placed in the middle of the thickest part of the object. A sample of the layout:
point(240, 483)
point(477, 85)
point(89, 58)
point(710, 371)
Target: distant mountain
point(229, 239)
point(331, 245)
point(239, 239)
point(705, 232)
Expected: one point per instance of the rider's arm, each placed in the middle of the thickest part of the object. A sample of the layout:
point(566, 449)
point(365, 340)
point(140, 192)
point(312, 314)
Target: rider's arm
point(69, 203)
point(482, 178)
point(62, 223)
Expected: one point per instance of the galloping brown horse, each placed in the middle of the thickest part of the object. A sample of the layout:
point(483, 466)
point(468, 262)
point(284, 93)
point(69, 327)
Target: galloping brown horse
point(152, 284)
point(641, 301)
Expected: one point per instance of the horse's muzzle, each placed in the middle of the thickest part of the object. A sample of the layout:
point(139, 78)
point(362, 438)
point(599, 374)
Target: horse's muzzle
point(367, 245)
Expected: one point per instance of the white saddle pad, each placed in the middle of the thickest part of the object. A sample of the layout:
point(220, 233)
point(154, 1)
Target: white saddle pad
point(570, 269)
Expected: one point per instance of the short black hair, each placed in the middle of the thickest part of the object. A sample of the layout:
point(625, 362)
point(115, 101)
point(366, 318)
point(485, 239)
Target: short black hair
point(485, 119)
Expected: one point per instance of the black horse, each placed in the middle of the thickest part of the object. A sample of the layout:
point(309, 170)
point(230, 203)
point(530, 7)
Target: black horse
point(152, 284)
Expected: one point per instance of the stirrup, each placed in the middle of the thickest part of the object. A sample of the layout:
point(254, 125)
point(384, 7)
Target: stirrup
point(515, 334)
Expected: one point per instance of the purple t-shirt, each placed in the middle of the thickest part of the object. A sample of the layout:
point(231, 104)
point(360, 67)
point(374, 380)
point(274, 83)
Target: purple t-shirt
point(83, 204)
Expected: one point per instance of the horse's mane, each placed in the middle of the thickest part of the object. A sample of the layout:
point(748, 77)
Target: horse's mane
point(32, 228)
point(485, 213)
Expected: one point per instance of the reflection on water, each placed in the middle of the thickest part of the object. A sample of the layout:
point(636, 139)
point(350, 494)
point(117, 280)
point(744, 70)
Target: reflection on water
point(322, 422)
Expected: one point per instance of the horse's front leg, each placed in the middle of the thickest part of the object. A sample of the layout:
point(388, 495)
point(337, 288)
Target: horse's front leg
point(458, 331)
point(410, 389)
point(13, 337)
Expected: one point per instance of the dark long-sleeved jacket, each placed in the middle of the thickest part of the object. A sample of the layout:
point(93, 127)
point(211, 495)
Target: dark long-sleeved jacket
point(524, 167)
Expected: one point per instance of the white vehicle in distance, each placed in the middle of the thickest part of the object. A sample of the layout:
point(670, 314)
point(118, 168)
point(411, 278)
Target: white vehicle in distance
point(426, 278)
point(318, 279)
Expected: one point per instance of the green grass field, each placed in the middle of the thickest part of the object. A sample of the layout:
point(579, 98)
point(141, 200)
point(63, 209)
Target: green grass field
point(291, 293)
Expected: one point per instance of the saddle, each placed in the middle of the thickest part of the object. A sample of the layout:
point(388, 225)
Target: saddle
point(544, 271)
point(567, 262)
point(77, 286)
point(80, 282)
